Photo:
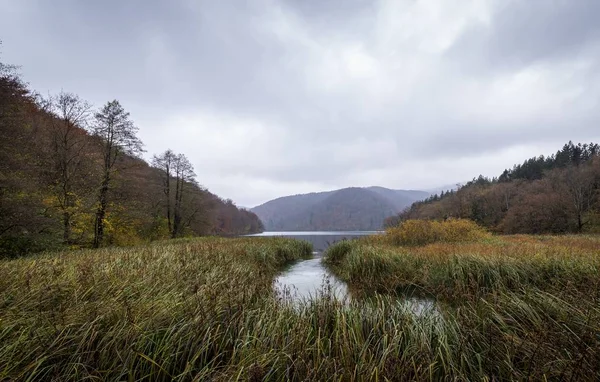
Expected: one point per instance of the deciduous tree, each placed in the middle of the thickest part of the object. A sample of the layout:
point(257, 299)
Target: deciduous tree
point(184, 176)
point(165, 163)
point(68, 139)
point(118, 137)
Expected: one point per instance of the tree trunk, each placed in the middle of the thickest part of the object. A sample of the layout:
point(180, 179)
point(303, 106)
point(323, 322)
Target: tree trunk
point(177, 207)
point(168, 192)
point(67, 227)
point(101, 213)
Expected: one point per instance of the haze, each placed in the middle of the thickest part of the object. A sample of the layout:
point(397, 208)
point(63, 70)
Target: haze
point(271, 98)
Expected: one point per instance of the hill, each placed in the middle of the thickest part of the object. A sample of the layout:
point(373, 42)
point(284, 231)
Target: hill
point(353, 208)
point(400, 198)
point(558, 193)
point(73, 176)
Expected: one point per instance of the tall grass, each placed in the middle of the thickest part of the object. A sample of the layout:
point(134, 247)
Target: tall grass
point(421, 232)
point(148, 312)
point(470, 269)
point(205, 310)
point(516, 307)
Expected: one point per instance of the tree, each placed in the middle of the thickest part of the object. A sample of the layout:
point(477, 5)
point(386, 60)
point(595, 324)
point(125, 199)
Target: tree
point(177, 167)
point(580, 186)
point(69, 140)
point(54, 176)
point(184, 174)
point(165, 162)
point(118, 136)
point(21, 223)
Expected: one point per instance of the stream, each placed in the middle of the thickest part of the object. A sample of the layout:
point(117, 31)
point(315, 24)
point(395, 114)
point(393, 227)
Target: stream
point(309, 278)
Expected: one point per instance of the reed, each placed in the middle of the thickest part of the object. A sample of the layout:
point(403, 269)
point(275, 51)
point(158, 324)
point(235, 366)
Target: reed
point(421, 232)
point(454, 271)
point(516, 307)
point(205, 310)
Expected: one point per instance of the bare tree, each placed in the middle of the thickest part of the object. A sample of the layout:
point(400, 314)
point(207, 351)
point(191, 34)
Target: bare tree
point(118, 134)
point(68, 139)
point(184, 174)
point(580, 185)
point(165, 162)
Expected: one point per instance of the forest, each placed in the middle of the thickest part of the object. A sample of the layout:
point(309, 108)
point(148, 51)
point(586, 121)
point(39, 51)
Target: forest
point(559, 193)
point(73, 176)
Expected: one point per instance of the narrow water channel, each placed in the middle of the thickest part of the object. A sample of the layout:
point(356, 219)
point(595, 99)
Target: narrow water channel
point(308, 279)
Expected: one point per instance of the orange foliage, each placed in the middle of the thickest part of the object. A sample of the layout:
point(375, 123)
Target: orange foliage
point(421, 232)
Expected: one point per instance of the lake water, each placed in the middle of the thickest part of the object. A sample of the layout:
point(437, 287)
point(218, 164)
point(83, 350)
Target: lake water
point(307, 279)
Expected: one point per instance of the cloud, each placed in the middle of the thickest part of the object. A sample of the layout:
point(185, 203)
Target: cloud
point(269, 98)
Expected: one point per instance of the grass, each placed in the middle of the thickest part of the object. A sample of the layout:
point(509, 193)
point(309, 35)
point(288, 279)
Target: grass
point(519, 307)
point(204, 309)
point(172, 310)
point(453, 272)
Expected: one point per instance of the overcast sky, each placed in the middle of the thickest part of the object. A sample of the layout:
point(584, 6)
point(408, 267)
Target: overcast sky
point(269, 98)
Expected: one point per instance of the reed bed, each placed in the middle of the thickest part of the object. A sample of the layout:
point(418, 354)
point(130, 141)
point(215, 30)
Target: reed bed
point(521, 307)
point(205, 310)
point(454, 272)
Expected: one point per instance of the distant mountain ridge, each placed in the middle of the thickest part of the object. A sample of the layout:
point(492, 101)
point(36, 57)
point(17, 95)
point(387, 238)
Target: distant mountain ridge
point(353, 208)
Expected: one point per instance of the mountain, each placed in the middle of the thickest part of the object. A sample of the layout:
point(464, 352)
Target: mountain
point(354, 208)
point(400, 198)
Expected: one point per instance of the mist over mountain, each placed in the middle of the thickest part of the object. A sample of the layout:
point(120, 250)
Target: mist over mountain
point(445, 188)
point(352, 208)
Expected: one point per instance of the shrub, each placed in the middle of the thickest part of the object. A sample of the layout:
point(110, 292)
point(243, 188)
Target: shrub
point(421, 232)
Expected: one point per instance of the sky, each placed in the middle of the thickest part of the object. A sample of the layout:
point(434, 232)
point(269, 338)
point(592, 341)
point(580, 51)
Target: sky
point(271, 98)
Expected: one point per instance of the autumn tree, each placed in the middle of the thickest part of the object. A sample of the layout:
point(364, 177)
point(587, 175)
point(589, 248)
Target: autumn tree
point(70, 115)
point(23, 227)
point(118, 137)
point(545, 194)
point(54, 173)
point(580, 186)
point(184, 177)
point(165, 163)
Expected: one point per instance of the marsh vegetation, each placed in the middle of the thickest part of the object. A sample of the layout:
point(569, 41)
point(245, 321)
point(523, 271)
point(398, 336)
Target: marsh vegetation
point(517, 307)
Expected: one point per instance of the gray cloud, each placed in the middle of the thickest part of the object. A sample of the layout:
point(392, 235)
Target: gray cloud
point(526, 32)
point(270, 98)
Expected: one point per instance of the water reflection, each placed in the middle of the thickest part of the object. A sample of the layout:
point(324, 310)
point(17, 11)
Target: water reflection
point(308, 279)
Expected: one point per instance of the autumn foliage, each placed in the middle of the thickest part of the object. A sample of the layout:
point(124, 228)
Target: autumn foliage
point(70, 178)
point(555, 194)
point(421, 232)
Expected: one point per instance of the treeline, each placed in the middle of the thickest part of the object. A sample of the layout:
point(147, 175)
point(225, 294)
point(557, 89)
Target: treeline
point(555, 194)
point(71, 175)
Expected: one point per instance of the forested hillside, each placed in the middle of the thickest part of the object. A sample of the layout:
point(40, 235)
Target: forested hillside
point(72, 175)
point(554, 194)
point(353, 208)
